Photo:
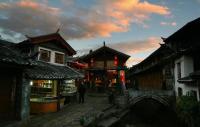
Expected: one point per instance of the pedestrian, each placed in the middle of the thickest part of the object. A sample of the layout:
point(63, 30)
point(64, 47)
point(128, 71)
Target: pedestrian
point(81, 91)
point(110, 92)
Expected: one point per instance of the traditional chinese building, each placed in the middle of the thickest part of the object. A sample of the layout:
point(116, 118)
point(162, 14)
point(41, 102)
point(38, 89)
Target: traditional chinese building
point(52, 81)
point(105, 65)
point(185, 43)
point(155, 72)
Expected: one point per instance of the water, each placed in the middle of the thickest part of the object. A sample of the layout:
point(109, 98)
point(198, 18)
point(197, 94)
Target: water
point(149, 113)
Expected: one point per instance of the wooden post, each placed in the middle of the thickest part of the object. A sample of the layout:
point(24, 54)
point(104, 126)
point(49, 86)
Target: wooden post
point(104, 68)
point(58, 95)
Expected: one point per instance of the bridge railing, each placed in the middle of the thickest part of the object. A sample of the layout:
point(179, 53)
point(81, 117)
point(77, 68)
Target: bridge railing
point(135, 93)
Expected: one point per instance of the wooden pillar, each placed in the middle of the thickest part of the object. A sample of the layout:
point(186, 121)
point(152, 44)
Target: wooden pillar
point(58, 94)
point(25, 98)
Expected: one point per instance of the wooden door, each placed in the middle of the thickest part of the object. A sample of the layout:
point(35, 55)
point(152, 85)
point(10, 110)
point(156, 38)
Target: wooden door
point(7, 95)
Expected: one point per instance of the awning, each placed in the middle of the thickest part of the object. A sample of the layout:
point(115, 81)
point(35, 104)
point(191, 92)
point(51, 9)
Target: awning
point(187, 79)
point(49, 71)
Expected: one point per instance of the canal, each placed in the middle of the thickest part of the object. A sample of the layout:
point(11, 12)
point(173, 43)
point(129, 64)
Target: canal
point(149, 113)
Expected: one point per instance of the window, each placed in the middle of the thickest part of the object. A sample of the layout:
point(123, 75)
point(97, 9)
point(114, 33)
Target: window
point(99, 64)
point(110, 63)
point(180, 92)
point(59, 58)
point(42, 88)
point(179, 70)
point(45, 55)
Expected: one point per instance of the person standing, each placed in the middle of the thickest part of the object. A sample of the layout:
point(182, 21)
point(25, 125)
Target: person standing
point(81, 91)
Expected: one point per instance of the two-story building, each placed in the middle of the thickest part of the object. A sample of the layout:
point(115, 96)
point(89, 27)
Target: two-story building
point(103, 66)
point(153, 73)
point(51, 77)
point(186, 45)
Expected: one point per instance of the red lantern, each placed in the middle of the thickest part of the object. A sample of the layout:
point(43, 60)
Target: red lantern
point(92, 62)
point(122, 76)
point(115, 61)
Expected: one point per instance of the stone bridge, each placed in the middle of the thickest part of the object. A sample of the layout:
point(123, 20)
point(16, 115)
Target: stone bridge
point(131, 97)
point(165, 97)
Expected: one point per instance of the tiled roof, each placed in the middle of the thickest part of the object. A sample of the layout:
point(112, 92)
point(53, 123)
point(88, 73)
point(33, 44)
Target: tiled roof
point(36, 69)
point(188, 32)
point(6, 43)
point(49, 71)
point(47, 38)
point(9, 55)
point(103, 49)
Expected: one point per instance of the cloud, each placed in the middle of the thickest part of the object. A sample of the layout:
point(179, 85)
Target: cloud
point(28, 17)
point(134, 47)
point(99, 19)
point(168, 23)
point(133, 60)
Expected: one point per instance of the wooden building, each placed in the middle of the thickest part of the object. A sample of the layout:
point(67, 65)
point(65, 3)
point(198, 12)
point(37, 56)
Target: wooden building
point(104, 65)
point(186, 44)
point(155, 72)
point(50, 77)
point(14, 92)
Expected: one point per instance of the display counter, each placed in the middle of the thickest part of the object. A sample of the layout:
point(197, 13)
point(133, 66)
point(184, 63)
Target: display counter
point(45, 105)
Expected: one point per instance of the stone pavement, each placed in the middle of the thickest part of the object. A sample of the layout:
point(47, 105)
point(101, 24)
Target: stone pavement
point(70, 115)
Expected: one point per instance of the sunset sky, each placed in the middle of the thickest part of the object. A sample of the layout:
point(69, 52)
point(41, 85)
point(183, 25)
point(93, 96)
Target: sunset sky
point(134, 27)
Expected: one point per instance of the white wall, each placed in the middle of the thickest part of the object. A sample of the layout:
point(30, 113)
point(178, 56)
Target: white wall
point(186, 68)
point(52, 58)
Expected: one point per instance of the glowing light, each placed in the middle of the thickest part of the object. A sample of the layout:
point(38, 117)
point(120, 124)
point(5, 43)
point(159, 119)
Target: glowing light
point(115, 61)
point(31, 83)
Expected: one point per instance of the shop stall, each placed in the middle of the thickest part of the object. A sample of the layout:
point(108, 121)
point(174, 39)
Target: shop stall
point(44, 96)
point(69, 91)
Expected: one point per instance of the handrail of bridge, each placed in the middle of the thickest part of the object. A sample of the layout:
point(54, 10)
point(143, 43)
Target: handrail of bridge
point(134, 93)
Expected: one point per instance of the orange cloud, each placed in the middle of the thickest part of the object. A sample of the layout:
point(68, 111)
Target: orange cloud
point(135, 47)
point(133, 60)
point(34, 5)
point(133, 10)
point(28, 4)
point(152, 8)
point(104, 29)
point(100, 19)
point(140, 7)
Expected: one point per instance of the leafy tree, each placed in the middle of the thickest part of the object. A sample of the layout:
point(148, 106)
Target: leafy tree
point(188, 110)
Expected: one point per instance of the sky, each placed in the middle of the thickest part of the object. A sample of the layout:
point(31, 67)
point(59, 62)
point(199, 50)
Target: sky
point(134, 27)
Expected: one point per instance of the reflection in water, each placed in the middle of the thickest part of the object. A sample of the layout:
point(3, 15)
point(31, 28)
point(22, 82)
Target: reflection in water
point(149, 113)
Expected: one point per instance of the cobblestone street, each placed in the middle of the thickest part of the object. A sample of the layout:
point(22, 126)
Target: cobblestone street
point(70, 115)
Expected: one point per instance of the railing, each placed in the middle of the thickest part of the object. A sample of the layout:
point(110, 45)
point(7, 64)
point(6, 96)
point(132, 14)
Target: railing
point(135, 93)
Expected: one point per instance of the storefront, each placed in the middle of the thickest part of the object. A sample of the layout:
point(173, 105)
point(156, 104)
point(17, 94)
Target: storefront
point(50, 84)
point(44, 96)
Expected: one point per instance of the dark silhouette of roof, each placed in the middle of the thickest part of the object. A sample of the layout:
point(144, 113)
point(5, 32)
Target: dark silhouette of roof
point(47, 38)
point(188, 32)
point(45, 70)
point(6, 43)
point(102, 50)
point(35, 69)
point(11, 56)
